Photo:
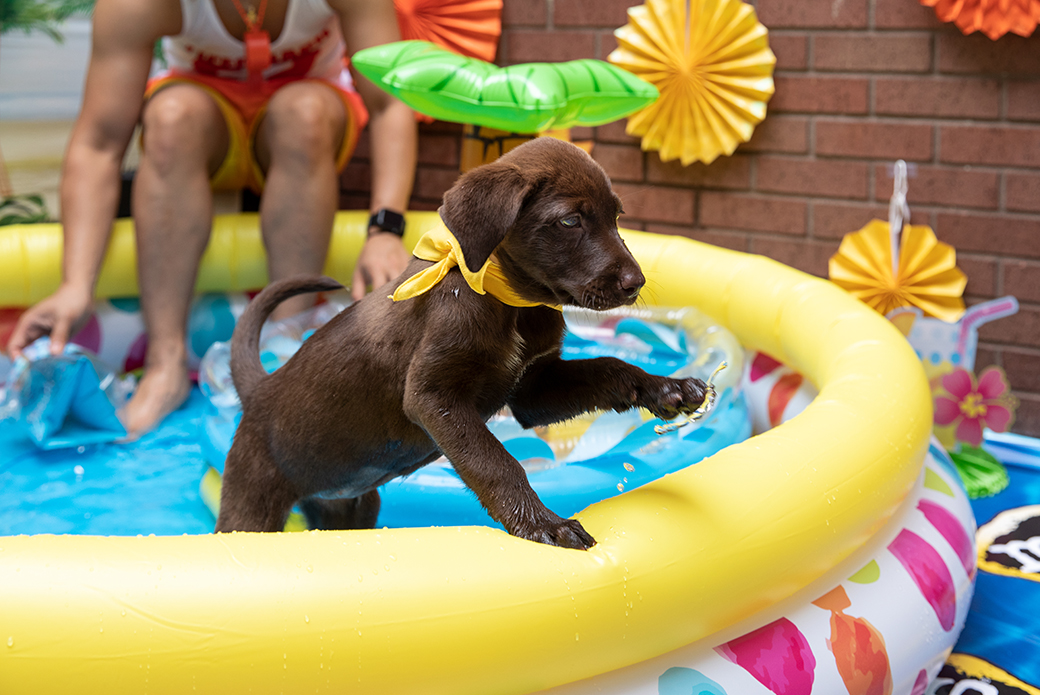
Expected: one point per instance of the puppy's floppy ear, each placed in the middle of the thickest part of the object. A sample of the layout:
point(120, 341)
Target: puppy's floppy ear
point(482, 206)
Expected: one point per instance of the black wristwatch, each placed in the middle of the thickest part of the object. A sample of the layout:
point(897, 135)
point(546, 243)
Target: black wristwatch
point(388, 221)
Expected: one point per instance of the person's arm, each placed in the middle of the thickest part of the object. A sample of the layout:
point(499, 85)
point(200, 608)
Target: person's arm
point(124, 33)
point(394, 138)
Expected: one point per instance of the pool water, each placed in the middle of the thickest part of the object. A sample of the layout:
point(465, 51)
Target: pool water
point(151, 486)
point(124, 489)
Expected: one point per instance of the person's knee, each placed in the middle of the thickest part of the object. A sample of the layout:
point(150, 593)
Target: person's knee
point(178, 126)
point(308, 126)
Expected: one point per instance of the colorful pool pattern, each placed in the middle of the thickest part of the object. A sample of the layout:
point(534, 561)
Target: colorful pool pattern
point(884, 627)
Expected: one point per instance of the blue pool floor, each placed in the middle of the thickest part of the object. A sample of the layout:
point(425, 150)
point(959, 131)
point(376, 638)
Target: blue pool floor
point(78, 490)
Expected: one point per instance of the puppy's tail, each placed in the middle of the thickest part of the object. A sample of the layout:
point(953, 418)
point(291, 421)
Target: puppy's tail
point(246, 369)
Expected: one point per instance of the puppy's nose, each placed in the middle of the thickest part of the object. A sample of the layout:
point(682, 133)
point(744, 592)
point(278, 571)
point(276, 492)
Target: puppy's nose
point(631, 281)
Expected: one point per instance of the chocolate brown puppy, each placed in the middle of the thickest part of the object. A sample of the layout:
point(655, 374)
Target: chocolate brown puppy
point(388, 386)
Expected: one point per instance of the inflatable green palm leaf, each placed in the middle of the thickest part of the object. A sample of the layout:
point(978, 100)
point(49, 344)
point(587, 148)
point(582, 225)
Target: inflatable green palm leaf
point(527, 98)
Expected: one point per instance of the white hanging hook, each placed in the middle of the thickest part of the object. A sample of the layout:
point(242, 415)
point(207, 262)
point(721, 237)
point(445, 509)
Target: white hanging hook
point(898, 213)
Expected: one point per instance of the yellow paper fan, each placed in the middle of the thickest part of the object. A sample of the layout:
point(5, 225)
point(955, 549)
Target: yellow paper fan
point(928, 276)
point(711, 62)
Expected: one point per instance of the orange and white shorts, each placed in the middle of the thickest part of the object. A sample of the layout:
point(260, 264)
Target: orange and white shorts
point(243, 107)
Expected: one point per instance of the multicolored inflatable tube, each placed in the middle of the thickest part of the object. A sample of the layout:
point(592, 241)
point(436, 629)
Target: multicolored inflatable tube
point(719, 550)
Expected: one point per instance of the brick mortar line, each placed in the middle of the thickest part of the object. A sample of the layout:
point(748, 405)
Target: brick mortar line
point(1001, 77)
point(1013, 215)
point(937, 147)
point(957, 121)
point(982, 168)
point(1029, 351)
point(774, 236)
point(871, 98)
point(935, 55)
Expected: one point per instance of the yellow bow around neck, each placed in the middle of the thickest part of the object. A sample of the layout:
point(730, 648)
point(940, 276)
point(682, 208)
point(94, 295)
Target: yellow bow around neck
point(440, 246)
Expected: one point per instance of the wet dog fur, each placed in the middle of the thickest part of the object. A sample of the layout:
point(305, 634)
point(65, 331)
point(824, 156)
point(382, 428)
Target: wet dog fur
point(386, 387)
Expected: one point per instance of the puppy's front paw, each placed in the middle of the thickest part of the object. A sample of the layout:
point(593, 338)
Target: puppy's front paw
point(565, 533)
point(670, 398)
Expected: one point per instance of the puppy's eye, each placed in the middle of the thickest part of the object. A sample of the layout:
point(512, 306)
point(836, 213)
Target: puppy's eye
point(570, 222)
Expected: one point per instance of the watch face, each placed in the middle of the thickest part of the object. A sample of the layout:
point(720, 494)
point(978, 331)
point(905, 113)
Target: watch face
point(388, 221)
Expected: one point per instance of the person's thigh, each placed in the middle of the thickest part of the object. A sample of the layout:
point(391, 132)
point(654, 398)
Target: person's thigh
point(303, 121)
point(183, 126)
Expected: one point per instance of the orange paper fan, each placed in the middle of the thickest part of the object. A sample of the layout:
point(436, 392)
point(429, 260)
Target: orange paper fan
point(928, 276)
point(994, 18)
point(470, 27)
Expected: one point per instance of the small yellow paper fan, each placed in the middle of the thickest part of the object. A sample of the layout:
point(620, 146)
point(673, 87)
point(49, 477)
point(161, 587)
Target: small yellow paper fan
point(711, 63)
point(928, 276)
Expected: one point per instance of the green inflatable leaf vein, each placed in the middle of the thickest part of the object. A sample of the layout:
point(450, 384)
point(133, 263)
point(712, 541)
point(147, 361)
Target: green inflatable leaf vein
point(527, 98)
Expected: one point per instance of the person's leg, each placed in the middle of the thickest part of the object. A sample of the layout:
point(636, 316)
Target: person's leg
point(184, 141)
point(296, 145)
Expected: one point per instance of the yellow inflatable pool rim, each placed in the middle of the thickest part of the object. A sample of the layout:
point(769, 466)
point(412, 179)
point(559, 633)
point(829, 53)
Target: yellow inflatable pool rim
point(474, 610)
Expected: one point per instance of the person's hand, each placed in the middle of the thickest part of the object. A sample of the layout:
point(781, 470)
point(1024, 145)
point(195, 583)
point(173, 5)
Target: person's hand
point(60, 315)
point(382, 259)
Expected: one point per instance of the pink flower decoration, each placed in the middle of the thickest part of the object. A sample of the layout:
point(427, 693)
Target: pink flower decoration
point(973, 405)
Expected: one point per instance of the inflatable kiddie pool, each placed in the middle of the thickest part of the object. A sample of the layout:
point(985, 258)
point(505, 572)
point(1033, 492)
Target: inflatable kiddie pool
point(734, 575)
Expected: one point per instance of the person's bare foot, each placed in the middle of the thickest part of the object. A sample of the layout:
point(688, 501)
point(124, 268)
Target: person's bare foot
point(162, 389)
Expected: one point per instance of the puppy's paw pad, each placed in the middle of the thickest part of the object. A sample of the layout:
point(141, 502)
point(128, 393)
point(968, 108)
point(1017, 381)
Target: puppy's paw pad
point(570, 534)
point(677, 397)
point(694, 391)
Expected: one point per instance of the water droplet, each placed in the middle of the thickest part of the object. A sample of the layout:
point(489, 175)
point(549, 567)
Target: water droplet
point(78, 470)
point(576, 637)
point(306, 618)
point(101, 629)
point(10, 642)
point(309, 568)
point(621, 487)
point(629, 467)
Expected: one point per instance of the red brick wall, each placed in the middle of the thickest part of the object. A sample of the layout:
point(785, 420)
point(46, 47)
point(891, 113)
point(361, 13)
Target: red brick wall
point(859, 83)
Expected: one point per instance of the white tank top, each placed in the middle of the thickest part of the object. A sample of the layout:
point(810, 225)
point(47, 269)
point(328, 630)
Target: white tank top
point(309, 45)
